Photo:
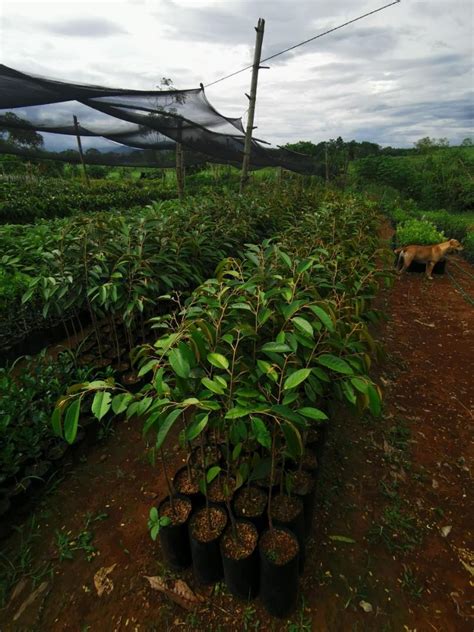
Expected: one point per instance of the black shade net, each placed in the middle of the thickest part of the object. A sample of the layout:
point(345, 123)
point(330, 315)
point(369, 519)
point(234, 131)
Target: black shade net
point(124, 127)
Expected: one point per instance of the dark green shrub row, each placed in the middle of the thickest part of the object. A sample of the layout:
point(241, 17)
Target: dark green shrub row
point(25, 201)
point(118, 264)
point(255, 350)
point(440, 180)
point(28, 393)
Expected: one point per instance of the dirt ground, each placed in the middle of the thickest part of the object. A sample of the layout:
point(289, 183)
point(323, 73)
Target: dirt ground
point(397, 489)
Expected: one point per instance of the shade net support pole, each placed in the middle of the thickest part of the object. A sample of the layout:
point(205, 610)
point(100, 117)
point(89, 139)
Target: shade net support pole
point(260, 28)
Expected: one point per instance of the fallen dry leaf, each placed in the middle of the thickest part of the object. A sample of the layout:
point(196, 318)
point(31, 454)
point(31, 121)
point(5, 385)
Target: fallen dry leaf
point(424, 324)
point(31, 599)
point(102, 582)
point(18, 590)
point(470, 569)
point(177, 590)
point(445, 531)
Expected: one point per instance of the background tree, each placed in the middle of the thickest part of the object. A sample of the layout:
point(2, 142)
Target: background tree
point(18, 132)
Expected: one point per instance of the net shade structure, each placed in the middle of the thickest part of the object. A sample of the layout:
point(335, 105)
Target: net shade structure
point(126, 127)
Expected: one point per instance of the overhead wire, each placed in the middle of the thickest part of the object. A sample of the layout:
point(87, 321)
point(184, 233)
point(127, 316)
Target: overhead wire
point(311, 39)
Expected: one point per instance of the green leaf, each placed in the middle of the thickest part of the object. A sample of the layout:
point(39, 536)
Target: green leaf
point(190, 401)
point(56, 421)
point(179, 364)
point(290, 398)
point(268, 369)
point(342, 538)
point(289, 310)
point(244, 306)
point(261, 433)
point(312, 413)
point(303, 326)
point(120, 402)
point(101, 404)
point(235, 413)
point(154, 531)
point(348, 392)
point(198, 425)
point(151, 420)
point(220, 380)
point(296, 378)
point(288, 413)
point(361, 385)
point(261, 469)
point(236, 451)
point(71, 420)
point(335, 364)
point(323, 316)
point(212, 472)
point(218, 360)
point(160, 386)
point(304, 265)
point(285, 258)
point(166, 426)
point(147, 367)
point(375, 403)
point(212, 386)
point(276, 347)
point(293, 439)
point(264, 315)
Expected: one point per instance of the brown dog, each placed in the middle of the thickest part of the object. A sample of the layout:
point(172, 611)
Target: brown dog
point(425, 254)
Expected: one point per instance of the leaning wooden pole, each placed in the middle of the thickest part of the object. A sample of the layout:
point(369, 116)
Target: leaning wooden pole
point(180, 164)
point(79, 145)
point(260, 28)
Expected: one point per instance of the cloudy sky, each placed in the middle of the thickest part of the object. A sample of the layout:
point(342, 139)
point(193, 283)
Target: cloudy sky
point(391, 78)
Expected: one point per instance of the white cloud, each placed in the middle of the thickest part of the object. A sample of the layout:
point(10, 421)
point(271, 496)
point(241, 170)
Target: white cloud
point(391, 78)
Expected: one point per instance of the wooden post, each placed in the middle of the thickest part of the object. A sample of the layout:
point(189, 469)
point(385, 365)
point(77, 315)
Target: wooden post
point(260, 28)
point(79, 145)
point(180, 164)
point(326, 161)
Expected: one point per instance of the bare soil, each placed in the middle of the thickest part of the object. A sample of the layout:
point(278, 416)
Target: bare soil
point(285, 508)
point(302, 483)
point(185, 484)
point(208, 525)
point(279, 546)
point(241, 546)
point(309, 460)
point(179, 512)
point(250, 502)
point(220, 490)
point(391, 547)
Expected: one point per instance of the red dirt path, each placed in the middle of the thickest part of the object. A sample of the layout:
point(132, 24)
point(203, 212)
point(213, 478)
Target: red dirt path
point(390, 485)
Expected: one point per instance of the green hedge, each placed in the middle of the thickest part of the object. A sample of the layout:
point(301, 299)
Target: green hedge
point(25, 201)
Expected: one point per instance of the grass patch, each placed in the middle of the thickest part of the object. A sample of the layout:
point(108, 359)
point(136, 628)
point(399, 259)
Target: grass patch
point(410, 583)
point(19, 563)
point(397, 529)
point(67, 544)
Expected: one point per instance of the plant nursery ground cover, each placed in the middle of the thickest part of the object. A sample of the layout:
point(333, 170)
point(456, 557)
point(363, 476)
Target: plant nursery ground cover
point(390, 547)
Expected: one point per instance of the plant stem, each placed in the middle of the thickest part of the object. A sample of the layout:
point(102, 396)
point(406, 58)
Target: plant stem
point(203, 465)
point(272, 474)
point(169, 484)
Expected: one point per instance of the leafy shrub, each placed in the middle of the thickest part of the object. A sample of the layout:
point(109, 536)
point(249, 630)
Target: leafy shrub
point(416, 231)
point(27, 395)
point(117, 264)
point(254, 351)
point(469, 247)
point(24, 202)
point(442, 179)
point(454, 226)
